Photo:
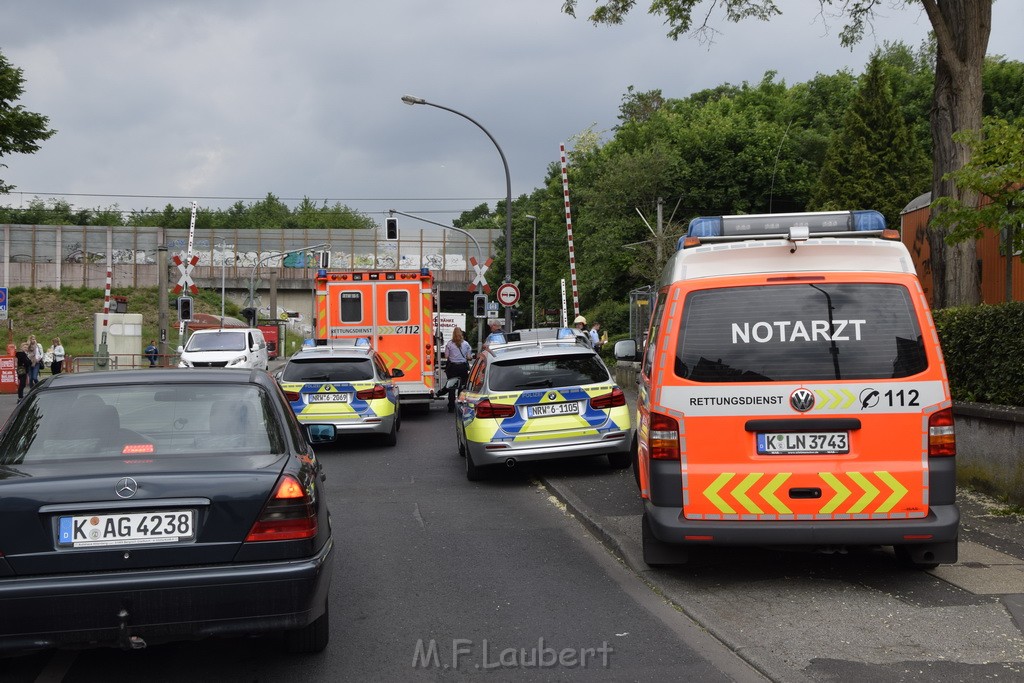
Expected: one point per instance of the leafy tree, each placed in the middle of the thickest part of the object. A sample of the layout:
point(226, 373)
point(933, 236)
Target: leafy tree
point(872, 162)
point(20, 131)
point(961, 29)
point(1004, 88)
point(996, 172)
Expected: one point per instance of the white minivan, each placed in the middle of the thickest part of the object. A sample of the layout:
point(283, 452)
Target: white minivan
point(235, 347)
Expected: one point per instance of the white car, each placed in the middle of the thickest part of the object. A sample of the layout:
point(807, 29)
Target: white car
point(237, 347)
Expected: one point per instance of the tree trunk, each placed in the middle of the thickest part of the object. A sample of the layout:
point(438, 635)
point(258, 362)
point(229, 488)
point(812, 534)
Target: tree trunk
point(962, 30)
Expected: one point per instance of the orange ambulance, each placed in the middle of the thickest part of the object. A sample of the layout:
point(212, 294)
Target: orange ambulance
point(793, 392)
point(394, 309)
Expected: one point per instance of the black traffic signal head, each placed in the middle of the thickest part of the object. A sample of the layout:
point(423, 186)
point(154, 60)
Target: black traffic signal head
point(480, 306)
point(391, 228)
point(185, 308)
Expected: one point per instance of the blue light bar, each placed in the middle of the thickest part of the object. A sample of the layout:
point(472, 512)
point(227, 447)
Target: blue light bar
point(424, 271)
point(495, 338)
point(566, 333)
point(780, 223)
point(363, 341)
point(321, 273)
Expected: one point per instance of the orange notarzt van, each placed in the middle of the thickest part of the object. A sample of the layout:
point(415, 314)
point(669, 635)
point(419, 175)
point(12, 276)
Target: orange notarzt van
point(793, 392)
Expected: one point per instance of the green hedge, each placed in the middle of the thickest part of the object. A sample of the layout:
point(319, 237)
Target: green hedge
point(984, 351)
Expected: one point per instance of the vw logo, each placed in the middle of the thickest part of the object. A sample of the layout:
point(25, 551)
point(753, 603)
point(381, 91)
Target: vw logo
point(802, 400)
point(126, 487)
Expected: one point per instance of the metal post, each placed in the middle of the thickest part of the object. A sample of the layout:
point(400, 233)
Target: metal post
point(411, 100)
point(533, 278)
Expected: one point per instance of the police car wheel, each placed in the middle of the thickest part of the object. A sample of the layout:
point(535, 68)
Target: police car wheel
point(473, 472)
point(391, 438)
point(619, 461)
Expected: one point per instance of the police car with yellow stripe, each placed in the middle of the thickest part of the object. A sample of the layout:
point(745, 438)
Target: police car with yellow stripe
point(346, 384)
point(539, 395)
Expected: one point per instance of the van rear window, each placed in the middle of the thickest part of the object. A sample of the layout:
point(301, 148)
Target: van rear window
point(799, 332)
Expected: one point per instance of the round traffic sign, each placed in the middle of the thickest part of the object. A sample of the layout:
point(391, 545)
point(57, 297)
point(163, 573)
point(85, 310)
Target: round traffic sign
point(508, 294)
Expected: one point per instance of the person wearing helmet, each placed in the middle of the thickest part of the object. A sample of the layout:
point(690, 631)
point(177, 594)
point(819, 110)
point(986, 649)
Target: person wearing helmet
point(580, 322)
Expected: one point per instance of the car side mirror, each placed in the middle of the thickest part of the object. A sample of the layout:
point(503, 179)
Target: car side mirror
point(626, 350)
point(181, 349)
point(397, 372)
point(321, 433)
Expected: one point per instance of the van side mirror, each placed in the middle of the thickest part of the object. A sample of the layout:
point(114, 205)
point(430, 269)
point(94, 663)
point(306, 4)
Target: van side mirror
point(627, 350)
point(397, 372)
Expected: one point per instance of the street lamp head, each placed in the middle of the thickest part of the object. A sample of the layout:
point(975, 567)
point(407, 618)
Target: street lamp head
point(532, 218)
point(411, 100)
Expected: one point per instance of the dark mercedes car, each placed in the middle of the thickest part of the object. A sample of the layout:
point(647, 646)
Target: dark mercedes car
point(154, 505)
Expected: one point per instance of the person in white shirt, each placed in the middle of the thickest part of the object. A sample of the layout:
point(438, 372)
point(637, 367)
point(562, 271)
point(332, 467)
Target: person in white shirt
point(57, 364)
point(458, 353)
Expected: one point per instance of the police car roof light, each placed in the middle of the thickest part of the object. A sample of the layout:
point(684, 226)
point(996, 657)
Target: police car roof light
point(565, 333)
point(496, 338)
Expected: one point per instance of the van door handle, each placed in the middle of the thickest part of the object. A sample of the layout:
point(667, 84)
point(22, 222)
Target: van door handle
point(805, 493)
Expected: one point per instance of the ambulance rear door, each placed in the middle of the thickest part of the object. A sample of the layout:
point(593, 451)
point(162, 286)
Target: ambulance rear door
point(804, 398)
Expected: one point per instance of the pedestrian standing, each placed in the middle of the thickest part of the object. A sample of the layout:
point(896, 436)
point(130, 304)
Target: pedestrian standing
point(458, 353)
point(595, 336)
point(23, 363)
point(35, 355)
point(57, 364)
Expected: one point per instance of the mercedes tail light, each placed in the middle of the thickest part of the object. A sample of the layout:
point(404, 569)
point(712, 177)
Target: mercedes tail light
point(289, 514)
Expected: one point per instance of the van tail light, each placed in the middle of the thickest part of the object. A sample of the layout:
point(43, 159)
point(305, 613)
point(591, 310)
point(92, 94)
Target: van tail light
point(292, 396)
point(486, 409)
point(610, 400)
point(377, 391)
point(663, 441)
point(289, 514)
point(941, 435)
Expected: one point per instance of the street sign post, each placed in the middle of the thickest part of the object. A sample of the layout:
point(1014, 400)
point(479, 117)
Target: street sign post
point(3, 303)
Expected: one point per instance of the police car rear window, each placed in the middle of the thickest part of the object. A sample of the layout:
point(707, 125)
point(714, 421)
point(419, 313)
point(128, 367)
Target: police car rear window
point(328, 370)
point(554, 371)
point(799, 332)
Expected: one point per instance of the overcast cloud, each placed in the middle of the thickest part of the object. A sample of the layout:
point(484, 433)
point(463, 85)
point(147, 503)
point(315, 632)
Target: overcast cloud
point(191, 99)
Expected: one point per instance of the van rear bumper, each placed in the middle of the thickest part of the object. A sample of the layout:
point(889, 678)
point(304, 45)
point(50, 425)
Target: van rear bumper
point(669, 526)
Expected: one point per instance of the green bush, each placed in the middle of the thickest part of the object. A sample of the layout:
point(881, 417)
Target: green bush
point(984, 351)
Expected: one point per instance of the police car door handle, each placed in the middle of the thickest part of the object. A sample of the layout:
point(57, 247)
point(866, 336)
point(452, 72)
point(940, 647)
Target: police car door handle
point(804, 424)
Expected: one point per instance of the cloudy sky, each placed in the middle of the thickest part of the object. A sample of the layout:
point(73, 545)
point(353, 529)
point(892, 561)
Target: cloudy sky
point(220, 100)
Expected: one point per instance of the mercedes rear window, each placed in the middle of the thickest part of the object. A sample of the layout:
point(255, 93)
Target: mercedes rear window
point(550, 372)
point(799, 332)
point(146, 421)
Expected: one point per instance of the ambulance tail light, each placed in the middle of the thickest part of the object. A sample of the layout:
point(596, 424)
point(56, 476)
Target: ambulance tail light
point(664, 437)
point(941, 435)
point(376, 391)
point(611, 400)
point(487, 410)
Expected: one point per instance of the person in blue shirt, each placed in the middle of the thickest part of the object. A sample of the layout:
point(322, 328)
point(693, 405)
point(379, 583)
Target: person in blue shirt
point(152, 352)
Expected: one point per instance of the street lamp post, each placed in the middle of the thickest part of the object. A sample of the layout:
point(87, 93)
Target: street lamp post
point(533, 278)
point(411, 100)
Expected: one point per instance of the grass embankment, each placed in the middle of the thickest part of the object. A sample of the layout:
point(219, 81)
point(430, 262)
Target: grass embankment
point(69, 313)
